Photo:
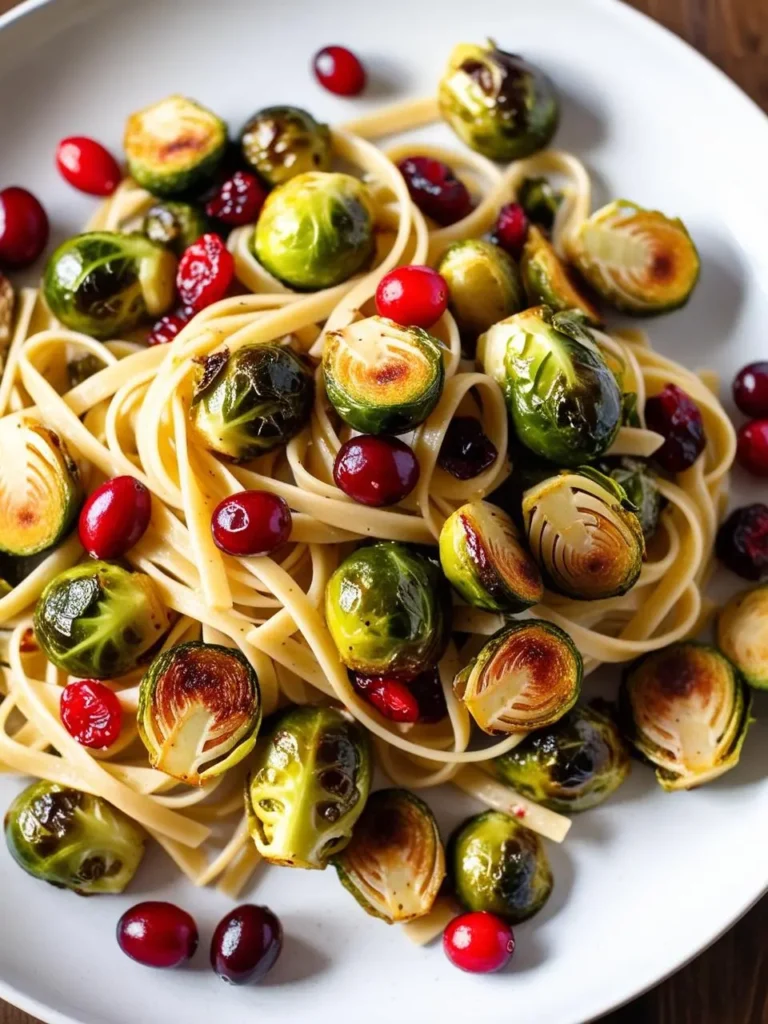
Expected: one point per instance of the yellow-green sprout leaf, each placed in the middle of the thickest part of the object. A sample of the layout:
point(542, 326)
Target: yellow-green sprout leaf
point(548, 280)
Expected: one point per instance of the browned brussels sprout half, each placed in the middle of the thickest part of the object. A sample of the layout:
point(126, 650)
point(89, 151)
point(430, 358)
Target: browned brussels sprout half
point(686, 710)
point(281, 142)
point(394, 864)
point(742, 635)
point(484, 285)
point(548, 280)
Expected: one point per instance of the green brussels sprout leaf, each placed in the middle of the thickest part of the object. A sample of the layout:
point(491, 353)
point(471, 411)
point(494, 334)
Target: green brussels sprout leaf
point(540, 201)
point(174, 224)
point(280, 143)
point(640, 486)
point(484, 285)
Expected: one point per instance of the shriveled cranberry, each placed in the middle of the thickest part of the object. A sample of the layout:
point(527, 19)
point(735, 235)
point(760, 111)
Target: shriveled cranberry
point(742, 542)
point(389, 696)
point(752, 450)
point(376, 470)
point(674, 414)
point(205, 272)
point(414, 296)
point(157, 934)
point(246, 944)
point(428, 691)
point(339, 71)
point(512, 228)
point(87, 165)
point(115, 517)
point(479, 942)
point(238, 199)
point(23, 228)
point(251, 523)
point(750, 390)
point(91, 713)
point(435, 189)
point(167, 327)
point(466, 451)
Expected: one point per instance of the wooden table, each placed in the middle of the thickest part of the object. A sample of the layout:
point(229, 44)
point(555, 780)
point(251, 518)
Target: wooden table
point(728, 984)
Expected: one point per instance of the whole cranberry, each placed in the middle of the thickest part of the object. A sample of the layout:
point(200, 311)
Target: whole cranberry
point(246, 944)
point(512, 229)
point(376, 470)
point(435, 189)
point(466, 451)
point(752, 450)
point(205, 272)
point(750, 390)
point(157, 934)
point(91, 713)
point(479, 942)
point(414, 296)
point(339, 71)
point(237, 200)
point(742, 542)
point(674, 414)
point(115, 517)
point(251, 523)
point(88, 166)
point(23, 228)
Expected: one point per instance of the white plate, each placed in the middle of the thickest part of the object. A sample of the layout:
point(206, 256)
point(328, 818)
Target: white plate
point(643, 883)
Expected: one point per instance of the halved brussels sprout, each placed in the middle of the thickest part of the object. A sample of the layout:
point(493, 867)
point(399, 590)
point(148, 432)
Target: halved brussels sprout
point(641, 487)
point(585, 534)
point(525, 677)
point(484, 285)
point(395, 863)
point(497, 103)
point(388, 611)
point(175, 225)
point(638, 260)
point(281, 142)
point(104, 284)
point(482, 557)
point(97, 620)
point(686, 710)
point(40, 488)
point(500, 866)
point(547, 279)
point(382, 378)
point(199, 710)
point(742, 634)
point(308, 787)
point(573, 765)
point(540, 201)
point(251, 402)
point(73, 840)
point(175, 146)
point(315, 231)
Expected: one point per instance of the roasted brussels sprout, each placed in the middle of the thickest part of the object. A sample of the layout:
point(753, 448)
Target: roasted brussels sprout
point(395, 864)
point(742, 634)
point(175, 146)
point(97, 620)
point(82, 368)
point(315, 231)
point(638, 260)
point(497, 103)
point(573, 765)
point(281, 142)
point(388, 611)
point(199, 710)
point(484, 285)
point(73, 840)
point(251, 402)
point(564, 401)
point(525, 677)
point(175, 225)
point(686, 710)
point(482, 557)
point(308, 787)
point(104, 284)
point(382, 378)
point(547, 279)
point(540, 201)
point(641, 487)
point(40, 489)
point(585, 535)
point(498, 865)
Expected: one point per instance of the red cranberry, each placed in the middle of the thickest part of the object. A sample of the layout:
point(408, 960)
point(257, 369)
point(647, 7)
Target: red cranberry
point(23, 228)
point(752, 451)
point(376, 471)
point(413, 296)
point(512, 228)
point(88, 166)
point(750, 390)
point(91, 712)
point(205, 272)
point(389, 696)
point(238, 199)
point(115, 517)
point(168, 326)
point(428, 691)
point(251, 523)
point(157, 934)
point(435, 189)
point(673, 414)
point(246, 944)
point(479, 942)
point(466, 451)
point(742, 542)
point(339, 71)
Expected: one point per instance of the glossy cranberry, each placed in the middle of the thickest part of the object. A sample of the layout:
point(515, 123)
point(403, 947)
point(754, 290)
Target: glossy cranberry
point(376, 471)
point(428, 691)
point(88, 166)
point(479, 942)
point(466, 451)
point(752, 450)
point(157, 934)
point(339, 71)
point(750, 390)
point(115, 517)
point(512, 228)
point(246, 944)
point(674, 414)
point(435, 189)
point(238, 199)
point(205, 272)
point(251, 523)
point(389, 696)
point(91, 713)
point(23, 228)
point(414, 296)
point(742, 542)
point(167, 327)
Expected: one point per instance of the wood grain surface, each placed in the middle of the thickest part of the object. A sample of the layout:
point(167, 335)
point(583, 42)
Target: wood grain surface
point(728, 984)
